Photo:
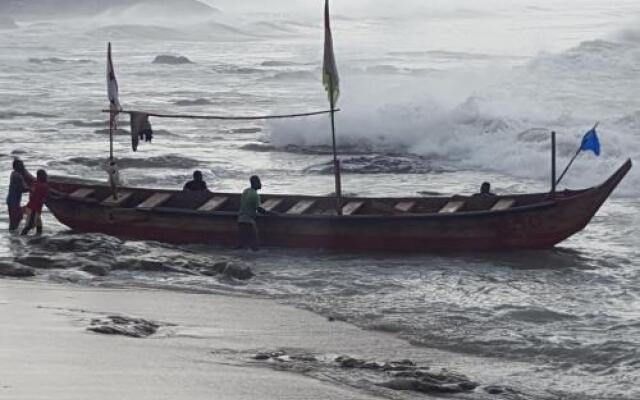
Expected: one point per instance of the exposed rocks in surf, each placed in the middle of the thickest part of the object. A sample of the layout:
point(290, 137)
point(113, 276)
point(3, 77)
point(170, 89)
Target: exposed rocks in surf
point(97, 269)
point(155, 264)
point(398, 375)
point(126, 326)
point(380, 164)
point(16, 271)
point(99, 255)
point(228, 270)
point(171, 60)
point(195, 102)
point(39, 262)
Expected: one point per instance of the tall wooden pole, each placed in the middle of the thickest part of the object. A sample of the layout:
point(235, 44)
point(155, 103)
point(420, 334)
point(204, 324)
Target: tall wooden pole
point(111, 121)
point(553, 162)
point(336, 162)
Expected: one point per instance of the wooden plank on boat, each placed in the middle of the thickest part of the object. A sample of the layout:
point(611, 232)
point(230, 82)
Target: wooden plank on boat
point(405, 206)
point(271, 204)
point(155, 200)
point(452, 207)
point(352, 207)
point(116, 201)
point(213, 204)
point(503, 204)
point(82, 193)
point(301, 207)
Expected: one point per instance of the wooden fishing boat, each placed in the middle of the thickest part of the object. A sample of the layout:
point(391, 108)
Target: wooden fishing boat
point(418, 224)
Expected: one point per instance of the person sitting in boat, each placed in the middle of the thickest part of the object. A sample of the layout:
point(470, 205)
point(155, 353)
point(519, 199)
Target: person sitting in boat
point(249, 209)
point(197, 184)
point(485, 190)
point(18, 183)
point(37, 197)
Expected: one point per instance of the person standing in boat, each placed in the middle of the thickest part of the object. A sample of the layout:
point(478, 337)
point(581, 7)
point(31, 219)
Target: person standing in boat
point(197, 184)
point(114, 177)
point(19, 182)
point(37, 197)
point(249, 209)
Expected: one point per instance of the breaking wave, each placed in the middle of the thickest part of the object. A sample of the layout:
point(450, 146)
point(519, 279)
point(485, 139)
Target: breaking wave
point(498, 120)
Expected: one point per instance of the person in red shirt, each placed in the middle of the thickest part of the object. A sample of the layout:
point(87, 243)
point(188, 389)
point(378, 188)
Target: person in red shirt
point(37, 197)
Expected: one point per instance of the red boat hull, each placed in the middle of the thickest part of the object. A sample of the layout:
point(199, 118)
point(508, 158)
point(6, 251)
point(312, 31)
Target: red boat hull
point(541, 224)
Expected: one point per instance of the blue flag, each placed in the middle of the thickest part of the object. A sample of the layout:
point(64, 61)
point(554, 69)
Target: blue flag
point(591, 142)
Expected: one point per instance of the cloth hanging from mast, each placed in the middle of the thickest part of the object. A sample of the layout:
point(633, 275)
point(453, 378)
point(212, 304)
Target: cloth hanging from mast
point(112, 89)
point(330, 77)
point(112, 82)
point(140, 129)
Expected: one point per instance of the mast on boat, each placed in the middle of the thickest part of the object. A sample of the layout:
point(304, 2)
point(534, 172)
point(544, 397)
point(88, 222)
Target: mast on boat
point(114, 102)
point(331, 82)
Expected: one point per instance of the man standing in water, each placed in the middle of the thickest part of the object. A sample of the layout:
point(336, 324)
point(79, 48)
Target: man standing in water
point(18, 184)
point(37, 197)
point(249, 209)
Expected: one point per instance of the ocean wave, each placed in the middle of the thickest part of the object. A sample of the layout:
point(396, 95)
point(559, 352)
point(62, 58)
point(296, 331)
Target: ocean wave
point(85, 124)
point(57, 60)
point(166, 161)
point(499, 121)
point(279, 63)
point(149, 32)
point(14, 114)
point(295, 75)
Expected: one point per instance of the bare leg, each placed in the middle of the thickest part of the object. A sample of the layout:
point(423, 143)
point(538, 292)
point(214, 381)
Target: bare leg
point(31, 221)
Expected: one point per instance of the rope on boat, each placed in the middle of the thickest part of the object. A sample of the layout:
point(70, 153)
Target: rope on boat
point(228, 118)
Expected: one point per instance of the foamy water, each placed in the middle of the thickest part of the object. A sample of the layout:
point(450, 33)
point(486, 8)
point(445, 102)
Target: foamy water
point(438, 100)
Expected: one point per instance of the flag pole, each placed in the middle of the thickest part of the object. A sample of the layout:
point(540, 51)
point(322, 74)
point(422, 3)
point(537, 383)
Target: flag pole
point(111, 119)
point(553, 162)
point(573, 158)
point(568, 166)
point(336, 162)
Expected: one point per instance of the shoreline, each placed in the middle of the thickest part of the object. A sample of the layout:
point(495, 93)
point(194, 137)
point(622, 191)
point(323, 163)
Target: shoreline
point(205, 347)
point(46, 351)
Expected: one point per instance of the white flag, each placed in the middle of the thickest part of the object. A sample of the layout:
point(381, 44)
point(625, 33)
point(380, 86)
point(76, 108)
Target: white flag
point(112, 84)
point(330, 77)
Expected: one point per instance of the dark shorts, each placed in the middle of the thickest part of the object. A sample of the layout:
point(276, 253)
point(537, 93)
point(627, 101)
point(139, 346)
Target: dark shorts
point(248, 236)
point(15, 215)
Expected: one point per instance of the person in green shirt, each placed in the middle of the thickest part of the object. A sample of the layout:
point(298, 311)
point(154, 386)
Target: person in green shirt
point(249, 209)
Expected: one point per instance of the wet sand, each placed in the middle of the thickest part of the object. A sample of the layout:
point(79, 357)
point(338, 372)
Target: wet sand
point(47, 353)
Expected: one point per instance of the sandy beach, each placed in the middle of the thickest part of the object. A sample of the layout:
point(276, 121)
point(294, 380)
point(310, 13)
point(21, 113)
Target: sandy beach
point(47, 353)
point(204, 348)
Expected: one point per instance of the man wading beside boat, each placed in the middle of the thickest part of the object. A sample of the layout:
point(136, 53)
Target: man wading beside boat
point(249, 209)
point(37, 197)
point(19, 182)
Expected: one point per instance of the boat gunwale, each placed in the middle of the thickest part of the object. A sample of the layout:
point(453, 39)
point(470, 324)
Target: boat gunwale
point(476, 213)
point(565, 196)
